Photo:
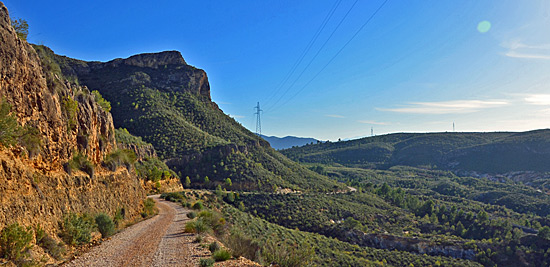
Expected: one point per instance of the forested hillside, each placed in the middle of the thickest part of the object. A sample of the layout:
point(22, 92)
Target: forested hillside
point(498, 152)
point(162, 99)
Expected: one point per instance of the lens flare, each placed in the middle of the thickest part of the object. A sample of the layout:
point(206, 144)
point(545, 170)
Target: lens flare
point(484, 26)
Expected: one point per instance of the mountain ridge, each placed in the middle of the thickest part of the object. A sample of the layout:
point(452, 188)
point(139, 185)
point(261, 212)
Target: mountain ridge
point(288, 141)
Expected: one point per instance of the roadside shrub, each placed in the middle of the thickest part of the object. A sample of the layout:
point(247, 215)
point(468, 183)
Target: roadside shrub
point(76, 230)
point(291, 255)
point(192, 215)
point(198, 239)
point(198, 206)
point(213, 219)
point(222, 255)
point(119, 158)
point(214, 246)
point(52, 247)
point(149, 208)
point(241, 245)
point(14, 241)
point(105, 225)
point(81, 162)
point(197, 226)
point(119, 216)
point(207, 262)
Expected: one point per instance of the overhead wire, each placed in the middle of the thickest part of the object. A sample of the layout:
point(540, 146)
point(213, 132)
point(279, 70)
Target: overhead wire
point(337, 53)
point(316, 54)
point(306, 50)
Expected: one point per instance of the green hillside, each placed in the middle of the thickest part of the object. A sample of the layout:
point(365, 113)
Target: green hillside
point(167, 102)
point(482, 152)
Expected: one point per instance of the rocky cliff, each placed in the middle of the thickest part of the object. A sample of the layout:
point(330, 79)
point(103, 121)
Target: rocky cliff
point(66, 120)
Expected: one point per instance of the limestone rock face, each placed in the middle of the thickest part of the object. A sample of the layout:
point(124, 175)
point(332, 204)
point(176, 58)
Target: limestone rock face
point(166, 71)
point(35, 188)
point(41, 100)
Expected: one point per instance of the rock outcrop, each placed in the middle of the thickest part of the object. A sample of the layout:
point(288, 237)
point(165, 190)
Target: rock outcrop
point(34, 188)
point(166, 71)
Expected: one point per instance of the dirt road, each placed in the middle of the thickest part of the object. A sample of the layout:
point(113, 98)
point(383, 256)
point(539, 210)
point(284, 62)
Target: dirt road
point(159, 241)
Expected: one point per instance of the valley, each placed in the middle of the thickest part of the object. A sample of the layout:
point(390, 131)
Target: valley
point(129, 162)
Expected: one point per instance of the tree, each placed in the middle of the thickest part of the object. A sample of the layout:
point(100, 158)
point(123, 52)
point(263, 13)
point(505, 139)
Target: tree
point(187, 182)
point(21, 28)
point(544, 233)
point(228, 182)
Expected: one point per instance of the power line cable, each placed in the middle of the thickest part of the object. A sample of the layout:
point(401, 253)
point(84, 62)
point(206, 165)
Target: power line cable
point(306, 50)
point(315, 56)
point(337, 53)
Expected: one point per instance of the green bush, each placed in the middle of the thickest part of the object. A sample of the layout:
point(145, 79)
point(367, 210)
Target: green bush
point(192, 215)
point(153, 169)
point(9, 128)
point(76, 230)
point(104, 104)
point(213, 219)
point(105, 225)
point(241, 245)
point(149, 208)
point(14, 241)
point(70, 108)
point(56, 250)
point(81, 162)
point(198, 206)
point(295, 256)
point(118, 158)
point(222, 255)
point(214, 246)
point(197, 226)
point(207, 262)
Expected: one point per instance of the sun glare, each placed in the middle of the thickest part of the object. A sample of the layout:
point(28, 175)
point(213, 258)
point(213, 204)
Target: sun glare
point(484, 26)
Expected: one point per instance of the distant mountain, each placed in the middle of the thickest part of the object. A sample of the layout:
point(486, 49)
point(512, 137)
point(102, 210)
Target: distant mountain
point(494, 153)
point(288, 141)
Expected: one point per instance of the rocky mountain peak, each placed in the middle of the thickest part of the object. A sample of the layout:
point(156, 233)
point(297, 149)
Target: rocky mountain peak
point(151, 60)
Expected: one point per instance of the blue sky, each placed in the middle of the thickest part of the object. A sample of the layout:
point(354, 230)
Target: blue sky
point(416, 66)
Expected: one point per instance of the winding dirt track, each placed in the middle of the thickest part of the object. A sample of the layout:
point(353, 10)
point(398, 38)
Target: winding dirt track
point(159, 241)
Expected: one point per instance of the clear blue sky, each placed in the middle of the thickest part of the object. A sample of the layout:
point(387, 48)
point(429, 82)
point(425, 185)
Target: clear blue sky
point(417, 66)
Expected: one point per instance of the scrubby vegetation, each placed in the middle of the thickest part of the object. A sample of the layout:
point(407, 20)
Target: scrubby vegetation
point(104, 104)
point(80, 162)
point(149, 208)
point(105, 225)
point(14, 241)
point(77, 229)
point(119, 157)
point(12, 133)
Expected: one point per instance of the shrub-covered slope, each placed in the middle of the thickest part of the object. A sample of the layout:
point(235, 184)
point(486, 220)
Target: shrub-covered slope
point(482, 152)
point(167, 102)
